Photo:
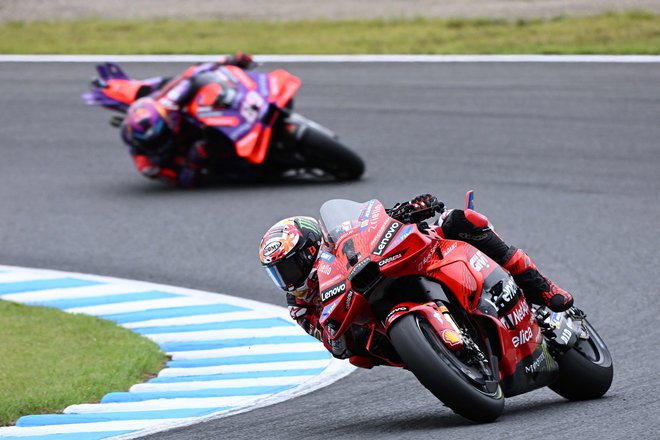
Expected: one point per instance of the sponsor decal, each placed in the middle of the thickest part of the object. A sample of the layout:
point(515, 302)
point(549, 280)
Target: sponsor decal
point(271, 247)
point(555, 319)
point(391, 258)
point(327, 257)
point(394, 311)
point(466, 236)
point(479, 261)
point(451, 338)
point(324, 268)
point(327, 310)
point(517, 315)
point(505, 295)
point(428, 256)
point(566, 336)
point(358, 267)
point(524, 336)
point(535, 365)
point(367, 210)
point(349, 300)
point(405, 232)
point(449, 249)
point(386, 238)
point(333, 291)
point(374, 218)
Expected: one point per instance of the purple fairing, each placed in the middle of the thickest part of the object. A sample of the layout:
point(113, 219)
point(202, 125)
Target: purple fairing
point(250, 107)
point(108, 71)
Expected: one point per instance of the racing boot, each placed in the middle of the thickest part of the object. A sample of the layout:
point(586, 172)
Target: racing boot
point(538, 289)
point(474, 228)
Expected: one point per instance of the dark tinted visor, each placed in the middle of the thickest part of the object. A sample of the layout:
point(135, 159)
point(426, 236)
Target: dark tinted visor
point(289, 273)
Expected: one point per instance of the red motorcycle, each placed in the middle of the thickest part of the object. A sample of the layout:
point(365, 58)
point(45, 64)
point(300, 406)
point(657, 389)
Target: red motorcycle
point(253, 110)
point(448, 313)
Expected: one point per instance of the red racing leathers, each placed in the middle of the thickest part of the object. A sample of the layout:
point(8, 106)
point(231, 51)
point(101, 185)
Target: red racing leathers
point(469, 226)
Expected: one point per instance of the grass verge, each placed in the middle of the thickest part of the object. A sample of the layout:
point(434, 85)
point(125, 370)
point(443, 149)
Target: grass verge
point(634, 32)
point(50, 359)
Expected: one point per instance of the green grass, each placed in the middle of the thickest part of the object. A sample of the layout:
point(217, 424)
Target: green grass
point(50, 359)
point(634, 32)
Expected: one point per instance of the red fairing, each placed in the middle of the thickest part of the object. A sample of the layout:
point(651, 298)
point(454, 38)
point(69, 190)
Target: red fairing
point(370, 247)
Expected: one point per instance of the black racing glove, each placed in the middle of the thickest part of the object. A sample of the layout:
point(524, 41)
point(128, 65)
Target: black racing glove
point(416, 210)
point(241, 59)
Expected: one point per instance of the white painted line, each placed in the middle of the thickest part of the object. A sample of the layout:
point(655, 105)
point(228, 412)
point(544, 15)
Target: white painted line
point(218, 384)
point(138, 306)
point(72, 293)
point(72, 428)
point(163, 404)
point(239, 368)
point(202, 319)
point(212, 335)
point(300, 347)
point(526, 58)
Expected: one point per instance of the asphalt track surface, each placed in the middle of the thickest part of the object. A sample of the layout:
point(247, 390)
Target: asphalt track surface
point(564, 159)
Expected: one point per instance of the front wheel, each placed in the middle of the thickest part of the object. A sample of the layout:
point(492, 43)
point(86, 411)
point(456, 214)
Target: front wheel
point(470, 390)
point(585, 370)
point(329, 155)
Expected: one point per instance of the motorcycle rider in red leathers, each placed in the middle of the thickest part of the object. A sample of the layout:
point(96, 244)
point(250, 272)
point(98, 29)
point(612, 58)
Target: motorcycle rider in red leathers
point(162, 143)
point(289, 252)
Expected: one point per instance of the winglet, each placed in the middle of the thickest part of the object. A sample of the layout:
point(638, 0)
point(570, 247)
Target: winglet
point(469, 199)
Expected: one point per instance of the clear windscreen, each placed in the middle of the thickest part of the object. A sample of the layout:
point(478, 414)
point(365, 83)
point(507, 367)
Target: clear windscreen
point(339, 217)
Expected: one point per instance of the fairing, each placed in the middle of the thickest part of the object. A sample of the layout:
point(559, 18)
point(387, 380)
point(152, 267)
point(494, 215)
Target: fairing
point(366, 250)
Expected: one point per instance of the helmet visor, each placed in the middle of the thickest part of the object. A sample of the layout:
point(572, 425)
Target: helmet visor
point(289, 273)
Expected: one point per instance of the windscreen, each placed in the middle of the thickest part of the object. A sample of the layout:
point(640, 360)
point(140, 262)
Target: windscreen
point(339, 217)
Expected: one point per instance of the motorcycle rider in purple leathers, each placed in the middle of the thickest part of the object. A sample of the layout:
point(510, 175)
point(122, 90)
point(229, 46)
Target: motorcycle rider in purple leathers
point(289, 252)
point(163, 144)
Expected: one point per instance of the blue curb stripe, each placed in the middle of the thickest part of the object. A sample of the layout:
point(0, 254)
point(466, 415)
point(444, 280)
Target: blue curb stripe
point(67, 419)
point(105, 299)
point(172, 312)
point(242, 375)
point(54, 283)
point(225, 325)
point(224, 343)
point(72, 436)
point(193, 394)
point(250, 359)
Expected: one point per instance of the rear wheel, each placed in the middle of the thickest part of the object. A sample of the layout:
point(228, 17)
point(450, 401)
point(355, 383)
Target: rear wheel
point(470, 389)
point(329, 155)
point(586, 370)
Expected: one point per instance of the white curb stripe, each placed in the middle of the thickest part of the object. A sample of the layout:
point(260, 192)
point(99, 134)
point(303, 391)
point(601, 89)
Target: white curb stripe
point(267, 366)
point(217, 384)
point(203, 319)
point(125, 425)
point(301, 347)
point(184, 389)
point(139, 306)
point(528, 58)
point(162, 404)
point(71, 293)
point(213, 335)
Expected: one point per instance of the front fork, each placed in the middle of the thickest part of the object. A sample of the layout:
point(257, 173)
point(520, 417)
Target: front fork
point(436, 315)
point(562, 330)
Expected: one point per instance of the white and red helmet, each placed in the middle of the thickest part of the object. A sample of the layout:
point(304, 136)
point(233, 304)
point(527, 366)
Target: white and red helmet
point(289, 249)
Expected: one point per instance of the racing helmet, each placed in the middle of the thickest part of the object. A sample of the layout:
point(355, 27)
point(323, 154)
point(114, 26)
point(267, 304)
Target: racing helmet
point(146, 127)
point(289, 250)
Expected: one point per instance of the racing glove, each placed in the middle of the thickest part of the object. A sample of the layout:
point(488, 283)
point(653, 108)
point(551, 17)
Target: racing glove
point(416, 210)
point(240, 59)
